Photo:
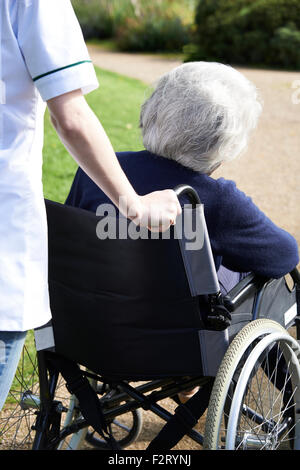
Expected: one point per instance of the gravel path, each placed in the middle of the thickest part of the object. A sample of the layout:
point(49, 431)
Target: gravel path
point(268, 172)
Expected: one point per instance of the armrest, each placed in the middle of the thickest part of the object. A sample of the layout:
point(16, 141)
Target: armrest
point(246, 288)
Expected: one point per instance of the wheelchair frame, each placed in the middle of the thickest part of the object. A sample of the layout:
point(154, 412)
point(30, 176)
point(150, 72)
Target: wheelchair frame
point(112, 406)
point(49, 435)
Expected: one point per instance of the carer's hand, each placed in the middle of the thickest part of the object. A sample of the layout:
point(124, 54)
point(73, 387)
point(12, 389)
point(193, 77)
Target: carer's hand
point(157, 210)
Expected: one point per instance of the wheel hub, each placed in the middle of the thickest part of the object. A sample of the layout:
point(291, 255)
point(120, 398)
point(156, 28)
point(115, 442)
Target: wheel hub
point(29, 401)
point(255, 441)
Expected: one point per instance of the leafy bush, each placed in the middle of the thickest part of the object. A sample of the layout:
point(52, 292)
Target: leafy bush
point(137, 25)
point(258, 32)
point(160, 34)
point(286, 47)
point(95, 18)
point(155, 26)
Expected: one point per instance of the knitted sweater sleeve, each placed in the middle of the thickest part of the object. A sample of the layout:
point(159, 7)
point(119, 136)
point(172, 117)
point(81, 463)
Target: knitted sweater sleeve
point(247, 239)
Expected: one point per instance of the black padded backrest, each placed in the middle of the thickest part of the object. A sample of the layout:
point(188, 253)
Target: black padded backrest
point(121, 307)
point(134, 269)
point(163, 265)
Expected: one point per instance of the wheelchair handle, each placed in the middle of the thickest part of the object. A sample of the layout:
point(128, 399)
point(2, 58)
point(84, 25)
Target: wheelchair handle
point(183, 189)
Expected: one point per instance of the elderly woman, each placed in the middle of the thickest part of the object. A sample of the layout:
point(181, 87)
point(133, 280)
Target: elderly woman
point(199, 115)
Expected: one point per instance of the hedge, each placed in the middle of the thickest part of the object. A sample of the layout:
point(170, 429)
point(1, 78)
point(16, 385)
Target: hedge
point(248, 32)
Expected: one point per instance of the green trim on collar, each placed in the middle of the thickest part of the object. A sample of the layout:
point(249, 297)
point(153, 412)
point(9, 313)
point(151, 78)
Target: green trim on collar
point(61, 68)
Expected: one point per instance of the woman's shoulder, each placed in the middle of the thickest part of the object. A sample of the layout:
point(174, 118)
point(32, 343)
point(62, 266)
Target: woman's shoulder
point(228, 186)
point(229, 195)
point(227, 205)
point(220, 192)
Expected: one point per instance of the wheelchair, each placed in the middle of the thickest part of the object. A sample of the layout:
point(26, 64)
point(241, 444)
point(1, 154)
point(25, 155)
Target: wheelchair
point(140, 319)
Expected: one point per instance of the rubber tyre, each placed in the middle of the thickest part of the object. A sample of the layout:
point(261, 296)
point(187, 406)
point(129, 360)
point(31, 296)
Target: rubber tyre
point(229, 364)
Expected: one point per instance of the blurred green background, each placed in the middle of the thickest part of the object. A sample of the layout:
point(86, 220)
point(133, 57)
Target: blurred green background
point(261, 33)
point(258, 33)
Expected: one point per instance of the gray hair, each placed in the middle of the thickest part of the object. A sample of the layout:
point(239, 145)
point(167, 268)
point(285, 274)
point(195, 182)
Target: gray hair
point(200, 114)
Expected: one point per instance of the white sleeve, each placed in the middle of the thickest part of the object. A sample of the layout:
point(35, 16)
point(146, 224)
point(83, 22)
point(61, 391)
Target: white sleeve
point(53, 48)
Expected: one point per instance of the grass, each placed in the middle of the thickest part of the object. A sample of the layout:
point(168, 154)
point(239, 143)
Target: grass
point(105, 44)
point(110, 45)
point(117, 104)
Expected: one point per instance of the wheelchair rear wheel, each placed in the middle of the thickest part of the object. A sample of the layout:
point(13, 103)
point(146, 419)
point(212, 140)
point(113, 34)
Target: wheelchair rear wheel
point(19, 413)
point(256, 395)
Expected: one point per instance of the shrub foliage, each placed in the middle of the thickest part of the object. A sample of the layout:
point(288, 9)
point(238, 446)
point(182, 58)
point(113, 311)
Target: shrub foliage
point(258, 32)
point(154, 29)
point(94, 17)
point(137, 25)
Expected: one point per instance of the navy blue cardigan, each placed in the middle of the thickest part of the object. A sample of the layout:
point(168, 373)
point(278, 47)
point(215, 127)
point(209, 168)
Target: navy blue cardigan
point(243, 239)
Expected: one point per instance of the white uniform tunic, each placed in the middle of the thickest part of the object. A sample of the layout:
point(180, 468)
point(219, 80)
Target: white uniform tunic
point(42, 55)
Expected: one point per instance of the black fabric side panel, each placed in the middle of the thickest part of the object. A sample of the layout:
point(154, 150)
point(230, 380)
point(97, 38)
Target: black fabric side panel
point(276, 302)
point(115, 338)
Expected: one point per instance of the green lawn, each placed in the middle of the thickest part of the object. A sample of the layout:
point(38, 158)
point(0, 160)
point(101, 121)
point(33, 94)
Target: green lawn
point(110, 45)
point(117, 104)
